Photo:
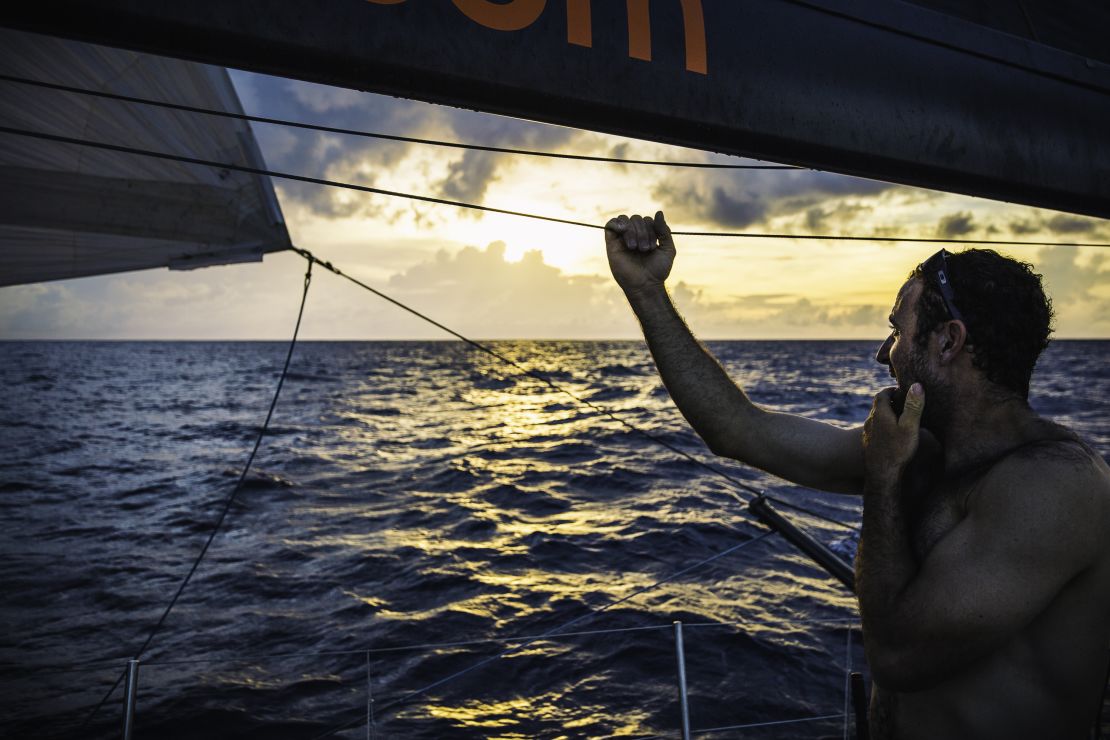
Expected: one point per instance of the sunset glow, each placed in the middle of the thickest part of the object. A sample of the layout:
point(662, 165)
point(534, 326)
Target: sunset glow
point(501, 276)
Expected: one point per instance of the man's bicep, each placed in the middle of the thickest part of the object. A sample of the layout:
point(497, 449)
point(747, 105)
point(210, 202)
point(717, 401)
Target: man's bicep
point(1027, 533)
point(805, 451)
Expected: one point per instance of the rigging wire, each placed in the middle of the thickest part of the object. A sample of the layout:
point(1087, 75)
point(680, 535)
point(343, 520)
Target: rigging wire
point(227, 502)
point(505, 211)
point(104, 663)
point(559, 628)
point(535, 375)
point(555, 386)
point(578, 399)
point(376, 135)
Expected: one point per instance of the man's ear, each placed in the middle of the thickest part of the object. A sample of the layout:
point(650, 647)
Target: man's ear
point(952, 339)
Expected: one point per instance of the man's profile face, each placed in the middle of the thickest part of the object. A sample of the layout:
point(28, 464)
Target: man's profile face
point(900, 351)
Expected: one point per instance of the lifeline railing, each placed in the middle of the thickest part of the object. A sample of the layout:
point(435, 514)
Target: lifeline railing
point(852, 714)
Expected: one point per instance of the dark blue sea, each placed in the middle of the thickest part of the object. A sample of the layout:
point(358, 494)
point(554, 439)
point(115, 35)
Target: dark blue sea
point(417, 509)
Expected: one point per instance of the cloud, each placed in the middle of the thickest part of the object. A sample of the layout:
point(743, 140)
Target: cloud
point(326, 155)
point(955, 224)
point(754, 197)
point(374, 162)
point(469, 177)
point(1060, 224)
point(1070, 280)
point(237, 301)
point(776, 315)
point(480, 288)
point(737, 212)
point(818, 220)
point(1067, 224)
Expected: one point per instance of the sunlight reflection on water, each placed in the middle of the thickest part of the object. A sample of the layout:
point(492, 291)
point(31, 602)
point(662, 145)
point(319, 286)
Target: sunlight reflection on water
point(414, 493)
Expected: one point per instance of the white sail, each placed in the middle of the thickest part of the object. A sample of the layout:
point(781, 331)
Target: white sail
point(70, 211)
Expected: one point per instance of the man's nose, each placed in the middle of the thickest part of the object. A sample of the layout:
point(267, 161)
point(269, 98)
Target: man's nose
point(883, 355)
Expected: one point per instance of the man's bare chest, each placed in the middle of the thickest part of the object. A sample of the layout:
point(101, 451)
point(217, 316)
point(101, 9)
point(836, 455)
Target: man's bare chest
point(933, 509)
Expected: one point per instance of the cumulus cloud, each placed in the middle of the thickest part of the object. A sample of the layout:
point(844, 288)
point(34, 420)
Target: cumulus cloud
point(1070, 279)
point(738, 211)
point(752, 197)
point(469, 177)
point(776, 315)
point(825, 219)
point(325, 155)
point(955, 224)
point(1059, 225)
point(236, 301)
point(481, 288)
point(369, 161)
point(1067, 224)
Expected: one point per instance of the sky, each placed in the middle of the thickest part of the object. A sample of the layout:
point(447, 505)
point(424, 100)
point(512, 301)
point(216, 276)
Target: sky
point(492, 277)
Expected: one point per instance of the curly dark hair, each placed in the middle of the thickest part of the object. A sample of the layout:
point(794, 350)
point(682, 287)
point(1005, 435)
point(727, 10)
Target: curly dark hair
point(1004, 306)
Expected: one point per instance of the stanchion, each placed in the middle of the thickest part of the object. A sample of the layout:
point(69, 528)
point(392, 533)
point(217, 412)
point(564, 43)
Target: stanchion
point(680, 655)
point(859, 704)
point(132, 688)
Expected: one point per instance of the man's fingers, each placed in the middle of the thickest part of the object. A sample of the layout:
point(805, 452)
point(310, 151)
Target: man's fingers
point(663, 231)
point(883, 406)
point(643, 236)
point(914, 407)
point(649, 228)
point(614, 234)
point(632, 234)
point(639, 233)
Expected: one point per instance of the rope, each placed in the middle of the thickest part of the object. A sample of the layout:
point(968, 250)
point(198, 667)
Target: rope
point(374, 135)
point(767, 724)
point(516, 648)
point(227, 503)
point(508, 212)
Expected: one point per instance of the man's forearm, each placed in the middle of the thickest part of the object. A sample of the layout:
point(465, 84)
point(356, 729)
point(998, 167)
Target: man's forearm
point(801, 450)
point(885, 566)
point(699, 386)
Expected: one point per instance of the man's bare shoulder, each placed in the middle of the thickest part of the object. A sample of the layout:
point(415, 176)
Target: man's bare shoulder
point(1055, 488)
point(1061, 459)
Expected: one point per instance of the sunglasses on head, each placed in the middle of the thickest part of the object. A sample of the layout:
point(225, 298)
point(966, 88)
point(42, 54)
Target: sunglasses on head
point(936, 269)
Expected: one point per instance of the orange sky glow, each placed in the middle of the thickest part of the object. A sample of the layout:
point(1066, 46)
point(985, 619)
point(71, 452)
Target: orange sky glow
point(497, 276)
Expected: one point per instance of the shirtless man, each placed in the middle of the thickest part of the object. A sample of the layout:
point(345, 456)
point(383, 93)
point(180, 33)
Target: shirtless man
point(983, 572)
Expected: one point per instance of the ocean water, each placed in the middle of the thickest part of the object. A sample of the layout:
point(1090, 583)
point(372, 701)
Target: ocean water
point(415, 507)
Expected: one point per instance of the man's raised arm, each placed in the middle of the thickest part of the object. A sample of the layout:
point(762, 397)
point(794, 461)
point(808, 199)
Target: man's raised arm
point(801, 450)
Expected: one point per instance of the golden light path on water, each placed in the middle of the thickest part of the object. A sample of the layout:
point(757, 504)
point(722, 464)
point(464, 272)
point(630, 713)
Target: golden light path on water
point(553, 511)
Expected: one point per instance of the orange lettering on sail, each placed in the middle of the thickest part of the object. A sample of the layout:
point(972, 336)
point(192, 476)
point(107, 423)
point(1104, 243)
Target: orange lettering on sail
point(693, 19)
point(511, 16)
point(580, 31)
point(639, 30)
point(516, 15)
point(579, 26)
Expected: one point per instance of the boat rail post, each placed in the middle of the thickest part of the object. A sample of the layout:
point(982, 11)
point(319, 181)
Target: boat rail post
point(683, 699)
point(131, 689)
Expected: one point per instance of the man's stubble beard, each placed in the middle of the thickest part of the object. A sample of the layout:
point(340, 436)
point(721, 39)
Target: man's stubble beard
point(937, 393)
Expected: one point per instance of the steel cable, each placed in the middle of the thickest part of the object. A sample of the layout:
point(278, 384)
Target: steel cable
point(508, 212)
point(374, 135)
point(227, 502)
